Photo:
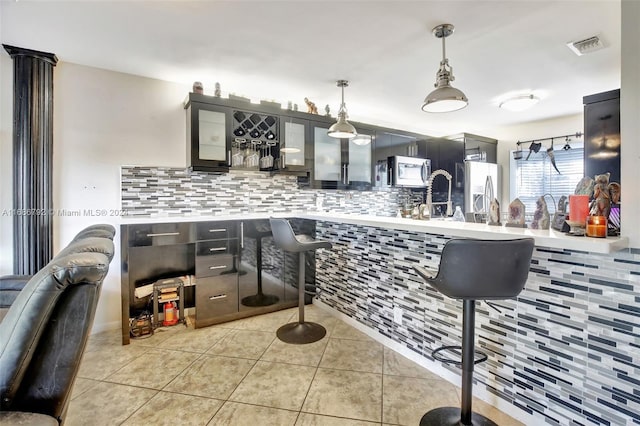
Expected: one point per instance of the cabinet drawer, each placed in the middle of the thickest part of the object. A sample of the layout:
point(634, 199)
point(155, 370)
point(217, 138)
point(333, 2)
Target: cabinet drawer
point(159, 234)
point(216, 230)
point(216, 296)
point(211, 266)
point(216, 247)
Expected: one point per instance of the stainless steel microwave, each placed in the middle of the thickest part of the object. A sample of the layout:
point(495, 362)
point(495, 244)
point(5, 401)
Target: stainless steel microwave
point(409, 172)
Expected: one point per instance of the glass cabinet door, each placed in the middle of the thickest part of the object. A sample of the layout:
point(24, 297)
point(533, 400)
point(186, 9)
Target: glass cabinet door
point(327, 156)
point(359, 169)
point(292, 147)
point(211, 135)
point(209, 143)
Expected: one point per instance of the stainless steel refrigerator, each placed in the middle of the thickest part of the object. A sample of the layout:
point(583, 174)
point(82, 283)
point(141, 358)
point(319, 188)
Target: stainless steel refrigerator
point(480, 181)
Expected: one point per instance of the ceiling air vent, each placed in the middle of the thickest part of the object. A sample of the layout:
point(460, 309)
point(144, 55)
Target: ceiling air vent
point(585, 46)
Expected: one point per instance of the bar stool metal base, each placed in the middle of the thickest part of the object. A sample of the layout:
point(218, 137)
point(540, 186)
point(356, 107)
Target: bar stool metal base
point(299, 333)
point(450, 416)
point(260, 299)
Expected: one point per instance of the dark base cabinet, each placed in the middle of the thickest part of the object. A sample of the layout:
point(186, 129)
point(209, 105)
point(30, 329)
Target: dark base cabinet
point(216, 297)
point(220, 259)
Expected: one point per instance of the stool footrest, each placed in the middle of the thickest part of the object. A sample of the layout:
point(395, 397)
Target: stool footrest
point(457, 350)
point(451, 416)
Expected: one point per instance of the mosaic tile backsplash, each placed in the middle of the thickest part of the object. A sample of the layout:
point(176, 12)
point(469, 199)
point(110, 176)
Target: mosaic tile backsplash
point(163, 191)
point(567, 351)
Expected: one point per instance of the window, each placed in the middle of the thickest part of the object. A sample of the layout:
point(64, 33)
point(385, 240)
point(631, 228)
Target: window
point(529, 179)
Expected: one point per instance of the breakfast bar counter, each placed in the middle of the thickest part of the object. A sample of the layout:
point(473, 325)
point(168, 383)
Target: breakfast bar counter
point(565, 351)
point(548, 238)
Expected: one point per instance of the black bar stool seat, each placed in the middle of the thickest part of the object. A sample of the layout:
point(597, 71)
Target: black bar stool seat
point(473, 270)
point(258, 229)
point(300, 332)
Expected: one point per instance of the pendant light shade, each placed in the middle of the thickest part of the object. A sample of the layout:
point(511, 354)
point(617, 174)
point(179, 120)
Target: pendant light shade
point(342, 129)
point(445, 98)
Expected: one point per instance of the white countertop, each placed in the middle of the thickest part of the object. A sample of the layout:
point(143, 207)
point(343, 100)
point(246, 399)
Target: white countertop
point(136, 220)
point(546, 238)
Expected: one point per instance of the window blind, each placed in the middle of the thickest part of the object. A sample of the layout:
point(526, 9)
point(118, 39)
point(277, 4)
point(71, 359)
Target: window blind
point(536, 176)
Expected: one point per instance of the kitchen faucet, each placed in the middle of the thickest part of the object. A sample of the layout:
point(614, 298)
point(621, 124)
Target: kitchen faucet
point(430, 202)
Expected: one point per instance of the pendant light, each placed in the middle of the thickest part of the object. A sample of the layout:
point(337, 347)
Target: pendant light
point(444, 98)
point(342, 128)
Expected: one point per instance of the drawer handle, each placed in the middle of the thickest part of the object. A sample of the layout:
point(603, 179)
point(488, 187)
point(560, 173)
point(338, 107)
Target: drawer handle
point(218, 296)
point(218, 230)
point(163, 234)
point(217, 267)
point(218, 249)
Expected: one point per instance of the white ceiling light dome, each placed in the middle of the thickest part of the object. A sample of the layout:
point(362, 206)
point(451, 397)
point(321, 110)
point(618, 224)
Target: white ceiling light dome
point(519, 102)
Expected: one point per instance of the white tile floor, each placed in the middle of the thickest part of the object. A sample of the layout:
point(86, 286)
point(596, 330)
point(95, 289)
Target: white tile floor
point(239, 373)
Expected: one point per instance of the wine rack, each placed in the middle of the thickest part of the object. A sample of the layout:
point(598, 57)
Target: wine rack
point(256, 136)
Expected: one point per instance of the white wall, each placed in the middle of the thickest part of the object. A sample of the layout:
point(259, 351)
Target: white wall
point(6, 142)
point(103, 120)
point(630, 121)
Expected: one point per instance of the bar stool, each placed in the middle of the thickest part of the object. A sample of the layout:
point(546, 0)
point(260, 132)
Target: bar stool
point(258, 230)
point(473, 270)
point(298, 332)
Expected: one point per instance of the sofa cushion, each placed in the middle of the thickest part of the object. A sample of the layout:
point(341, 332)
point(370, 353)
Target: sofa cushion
point(89, 245)
point(28, 317)
point(101, 230)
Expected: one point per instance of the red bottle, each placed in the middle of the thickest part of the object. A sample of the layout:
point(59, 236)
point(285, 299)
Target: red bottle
point(170, 317)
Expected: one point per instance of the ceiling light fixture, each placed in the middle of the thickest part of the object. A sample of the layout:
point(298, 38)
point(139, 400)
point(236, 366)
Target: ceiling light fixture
point(342, 128)
point(444, 98)
point(362, 140)
point(519, 103)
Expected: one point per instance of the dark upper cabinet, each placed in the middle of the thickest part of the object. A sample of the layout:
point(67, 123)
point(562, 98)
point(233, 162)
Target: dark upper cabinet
point(208, 137)
point(226, 134)
point(602, 134)
point(446, 154)
point(341, 163)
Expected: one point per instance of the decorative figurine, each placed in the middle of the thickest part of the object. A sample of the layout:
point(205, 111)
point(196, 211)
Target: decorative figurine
point(601, 204)
point(217, 92)
point(494, 213)
point(560, 215)
point(289, 105)
point(585, 186)
point(311, 107)
point(516, 214)
point(614, 191)
point(541, 215)
point(614, 215)
point(327, 110)
point(295, 107)
point(562, 204)
point(197, 87)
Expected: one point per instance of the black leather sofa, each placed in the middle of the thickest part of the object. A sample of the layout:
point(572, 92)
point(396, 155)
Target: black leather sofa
point(45, 330)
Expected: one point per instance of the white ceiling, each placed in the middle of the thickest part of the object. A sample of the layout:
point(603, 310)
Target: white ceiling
point(290, 50)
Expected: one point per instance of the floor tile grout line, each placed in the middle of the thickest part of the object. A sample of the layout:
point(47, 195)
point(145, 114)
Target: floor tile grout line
point(315, 373)
point(139, 408)
point(382, 389)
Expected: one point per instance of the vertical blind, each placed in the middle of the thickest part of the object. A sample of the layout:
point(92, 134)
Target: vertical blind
point(536, 176)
